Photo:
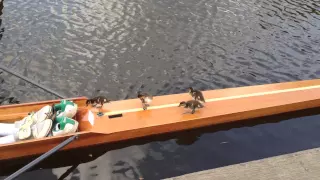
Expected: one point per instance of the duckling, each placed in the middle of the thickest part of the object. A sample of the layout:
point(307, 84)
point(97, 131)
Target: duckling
point(191, 104)
point(97, 100)
point(196, 94)
point(146, 99)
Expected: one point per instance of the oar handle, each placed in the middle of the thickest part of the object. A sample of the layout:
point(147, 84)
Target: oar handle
point(42, 157)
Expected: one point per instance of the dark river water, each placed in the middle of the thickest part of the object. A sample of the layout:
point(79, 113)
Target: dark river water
point(76, 47)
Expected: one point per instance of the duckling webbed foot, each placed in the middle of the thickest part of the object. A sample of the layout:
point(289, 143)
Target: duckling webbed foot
point(145, 98)
point(145, 106)
point(100, 114)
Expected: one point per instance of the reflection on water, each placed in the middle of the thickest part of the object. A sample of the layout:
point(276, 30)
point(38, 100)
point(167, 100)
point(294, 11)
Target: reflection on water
point(121, 47)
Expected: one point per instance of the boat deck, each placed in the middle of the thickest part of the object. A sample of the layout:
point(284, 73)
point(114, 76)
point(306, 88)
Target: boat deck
point(125, 119)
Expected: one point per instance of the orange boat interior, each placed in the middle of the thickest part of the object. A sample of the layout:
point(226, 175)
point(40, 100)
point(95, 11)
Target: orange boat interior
point(16, 112)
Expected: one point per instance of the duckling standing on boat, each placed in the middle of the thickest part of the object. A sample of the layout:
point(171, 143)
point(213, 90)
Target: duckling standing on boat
point(146, 99)
point(99, 100)
point(196, 94)
point(191, 104)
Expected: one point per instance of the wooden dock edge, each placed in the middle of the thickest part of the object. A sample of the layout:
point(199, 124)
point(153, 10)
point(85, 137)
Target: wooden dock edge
point(294, 166)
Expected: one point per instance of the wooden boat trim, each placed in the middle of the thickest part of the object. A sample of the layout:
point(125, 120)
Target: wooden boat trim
point(224, 105)
point(217, 99)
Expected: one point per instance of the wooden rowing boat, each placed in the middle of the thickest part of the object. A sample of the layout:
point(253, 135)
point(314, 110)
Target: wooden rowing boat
point(125, 119)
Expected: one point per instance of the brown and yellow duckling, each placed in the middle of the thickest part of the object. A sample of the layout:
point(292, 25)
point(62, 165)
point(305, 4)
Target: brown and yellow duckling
point(191, 104)
point(146, 99)
point(196, 94)
point(99, 100)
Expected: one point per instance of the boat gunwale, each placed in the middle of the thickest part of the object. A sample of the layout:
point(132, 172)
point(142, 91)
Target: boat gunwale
point(42, 102)
point(144, 131)
point(101, 133)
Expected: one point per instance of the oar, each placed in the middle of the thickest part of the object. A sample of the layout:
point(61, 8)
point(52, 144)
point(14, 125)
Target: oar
point(31, 81)
point(55, 149)
point(41, 158)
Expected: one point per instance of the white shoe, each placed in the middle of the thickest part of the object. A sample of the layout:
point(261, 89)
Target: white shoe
point(38, 116)
point(41, 129)
point(35, 125)
point(64, 125)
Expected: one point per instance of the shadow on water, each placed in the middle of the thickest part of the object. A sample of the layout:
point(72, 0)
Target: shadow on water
point(1, 28)
point(223, 152)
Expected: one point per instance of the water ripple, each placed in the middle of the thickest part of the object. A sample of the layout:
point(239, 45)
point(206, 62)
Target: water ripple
point(121, 47)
